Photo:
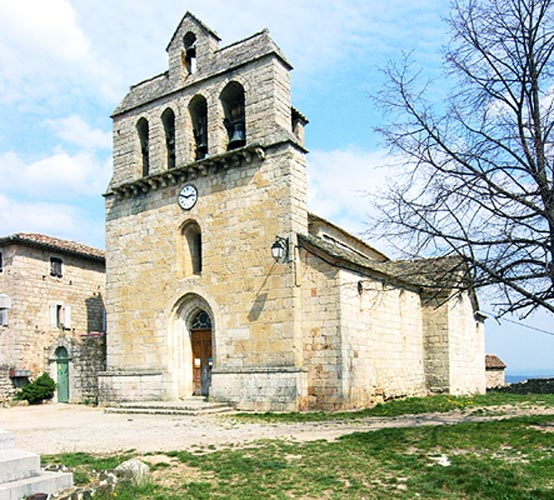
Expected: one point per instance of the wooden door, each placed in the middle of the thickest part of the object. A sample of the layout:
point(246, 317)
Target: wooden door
point(62, 363)
point(201, 341)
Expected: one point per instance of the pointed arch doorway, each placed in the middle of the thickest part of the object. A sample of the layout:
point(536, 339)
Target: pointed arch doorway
point(192, 346)
point(202, 356)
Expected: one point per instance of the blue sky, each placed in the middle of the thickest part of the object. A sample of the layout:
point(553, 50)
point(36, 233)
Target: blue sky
point(65, 64)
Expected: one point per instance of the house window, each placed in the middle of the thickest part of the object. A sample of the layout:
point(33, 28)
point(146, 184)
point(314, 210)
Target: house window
point(60, 316)
point(4, 316)
point(1, 262)
point(192, 249)
point(5, 306)
point(198, 109)
point(168, 119)
point(56, 267)
point(232, 99)
point(143, 134)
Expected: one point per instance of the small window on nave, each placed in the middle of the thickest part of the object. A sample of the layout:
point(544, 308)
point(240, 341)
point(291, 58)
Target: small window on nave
point(192, 249)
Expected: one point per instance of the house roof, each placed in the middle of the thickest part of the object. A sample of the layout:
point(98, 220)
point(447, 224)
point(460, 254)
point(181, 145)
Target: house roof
point(51, 243)
point(492, 361)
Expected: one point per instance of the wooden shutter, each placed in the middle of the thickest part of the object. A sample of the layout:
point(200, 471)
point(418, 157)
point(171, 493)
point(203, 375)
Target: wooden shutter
point(67, 317)
point(53, 315)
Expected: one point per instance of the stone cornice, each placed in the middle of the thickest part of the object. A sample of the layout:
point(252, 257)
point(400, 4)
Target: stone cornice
point(191, 171)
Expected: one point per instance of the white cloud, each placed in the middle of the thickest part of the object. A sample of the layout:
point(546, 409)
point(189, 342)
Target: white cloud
point(43, 49)
point(47, 29)
point(75, 130)
point(53, 219)
point(59, 176)
point(339, 183)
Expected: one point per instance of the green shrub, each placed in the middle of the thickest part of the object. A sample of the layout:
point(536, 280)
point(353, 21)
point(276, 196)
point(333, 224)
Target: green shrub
point(38, 390)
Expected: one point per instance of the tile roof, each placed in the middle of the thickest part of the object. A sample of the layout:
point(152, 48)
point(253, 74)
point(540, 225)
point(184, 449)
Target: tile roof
point(493, 361)
point(49, 242)
point(434, 273)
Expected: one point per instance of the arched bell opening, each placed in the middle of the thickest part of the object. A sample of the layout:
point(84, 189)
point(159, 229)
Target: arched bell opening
point(144, 142)
point(168, 120)
point(198, 109)
point(189, 53)
point(232, 100)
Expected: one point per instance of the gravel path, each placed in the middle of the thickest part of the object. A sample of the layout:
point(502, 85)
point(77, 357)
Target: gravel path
point(56, 428)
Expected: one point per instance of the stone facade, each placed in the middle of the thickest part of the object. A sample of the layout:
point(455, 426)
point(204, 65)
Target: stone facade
point(331, 325)
point(52, 299)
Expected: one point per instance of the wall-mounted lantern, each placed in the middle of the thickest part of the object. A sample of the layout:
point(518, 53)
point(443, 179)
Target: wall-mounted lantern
point(280, 249)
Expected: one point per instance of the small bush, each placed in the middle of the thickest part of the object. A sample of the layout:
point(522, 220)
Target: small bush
point(38, 390)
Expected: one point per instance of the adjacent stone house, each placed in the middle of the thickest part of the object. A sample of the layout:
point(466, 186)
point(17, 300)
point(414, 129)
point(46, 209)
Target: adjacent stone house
point(221, 283)
point(51, 314)
point(495, 370)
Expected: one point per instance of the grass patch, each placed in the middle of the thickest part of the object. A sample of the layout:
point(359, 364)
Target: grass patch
point(411, 406)
point(83, 465)
point(510, 459)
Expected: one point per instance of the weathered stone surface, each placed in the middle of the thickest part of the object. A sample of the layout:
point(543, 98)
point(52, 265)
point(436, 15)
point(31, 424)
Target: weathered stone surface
point(134, 471)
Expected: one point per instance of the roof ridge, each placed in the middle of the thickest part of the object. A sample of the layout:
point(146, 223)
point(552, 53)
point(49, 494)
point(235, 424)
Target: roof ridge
point(60, 244)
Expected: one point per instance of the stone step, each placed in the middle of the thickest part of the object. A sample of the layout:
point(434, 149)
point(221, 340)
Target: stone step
point(18, 464)
point(45, 482)
point(6, 440)
point(190, 407)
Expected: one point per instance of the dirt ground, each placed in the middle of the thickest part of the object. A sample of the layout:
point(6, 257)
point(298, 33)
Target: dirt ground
point(56, 428)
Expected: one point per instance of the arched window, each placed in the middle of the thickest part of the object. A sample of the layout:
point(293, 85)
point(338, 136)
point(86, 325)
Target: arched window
point(189, 42)
point(198, 109)
point(142, 129)
point(168, 119)
point(201, 321)
point(192, 249)
point(232, 99)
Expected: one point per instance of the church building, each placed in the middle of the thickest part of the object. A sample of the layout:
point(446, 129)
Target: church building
point(220, 283)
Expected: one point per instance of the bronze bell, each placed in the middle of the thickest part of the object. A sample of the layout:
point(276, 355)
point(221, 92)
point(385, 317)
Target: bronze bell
point(191, 51)
point(238, 138)
point(201, 149)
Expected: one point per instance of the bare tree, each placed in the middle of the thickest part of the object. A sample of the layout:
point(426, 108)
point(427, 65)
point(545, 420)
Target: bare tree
point(477, 169)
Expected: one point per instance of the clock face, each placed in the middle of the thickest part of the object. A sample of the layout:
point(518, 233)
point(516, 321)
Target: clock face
point(187, 197)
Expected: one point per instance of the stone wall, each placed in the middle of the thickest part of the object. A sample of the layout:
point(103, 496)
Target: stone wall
point(382, 341)
point(531, 386)
point(436, 343)
point(321, 331)
point(495, 378)
point(91, 362)
point(7, 389)
point(466, 347)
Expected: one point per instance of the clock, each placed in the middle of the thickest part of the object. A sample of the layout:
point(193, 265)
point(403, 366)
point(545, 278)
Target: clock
point(187, 197)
